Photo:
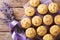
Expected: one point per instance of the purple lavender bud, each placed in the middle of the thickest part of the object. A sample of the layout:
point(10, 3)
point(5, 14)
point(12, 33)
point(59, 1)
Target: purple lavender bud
point(13, 23)
point(14, 36)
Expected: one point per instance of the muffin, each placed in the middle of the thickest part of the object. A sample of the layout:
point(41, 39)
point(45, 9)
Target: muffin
point(53, 8)
point(57, 19)
point(54, 30)
point(30, 32)
point(48, 19)
point(36, 20)
point(41, 30)
point(42, 9)
point(34, 3)
point(29, 11)
point(48, 37)
point(26, 23)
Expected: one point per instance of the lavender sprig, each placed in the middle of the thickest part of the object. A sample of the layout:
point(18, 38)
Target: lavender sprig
point(8, 12)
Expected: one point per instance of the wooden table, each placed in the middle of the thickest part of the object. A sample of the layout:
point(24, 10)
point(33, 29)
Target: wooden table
point(17, 7)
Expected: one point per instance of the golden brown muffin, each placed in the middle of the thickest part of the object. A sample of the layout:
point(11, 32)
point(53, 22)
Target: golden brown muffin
point(48, 19)
point(29, 11)
point(42, 9)
point(30, 33)
point(41, 30)
point(34, 3)
point(26, 23)
point(57, 19)
point(53, 8)
point(54, 30)
point(36, 20)
point(48, 37)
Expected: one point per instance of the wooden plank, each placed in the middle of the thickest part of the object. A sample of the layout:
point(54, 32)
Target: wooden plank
point(5, 36)
point(18, 13)
point(16, 3)
point(3, 26)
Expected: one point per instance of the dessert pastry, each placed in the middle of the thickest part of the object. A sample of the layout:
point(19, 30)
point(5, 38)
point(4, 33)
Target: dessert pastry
point(30, 33)
point(53, 8)
point(34, 3)
point(29, 11)
point(41, 30)
point(54, 30)
point(36, 20)
point(26, 23)
point(48, 19)
point(57, 19)
point(42, 9)
point(48, 37)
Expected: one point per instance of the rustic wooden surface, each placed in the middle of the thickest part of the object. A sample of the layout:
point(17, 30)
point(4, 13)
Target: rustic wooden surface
point(17, 7)
point(5, 36)
point(16, 3)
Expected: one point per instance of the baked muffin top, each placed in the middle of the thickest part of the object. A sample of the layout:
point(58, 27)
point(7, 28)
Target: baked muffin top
point(48, 19)
point(36, 20)
point(42, 9)
point(54, 30)
point(48, 37)
point(34, 3)
point(29, 11)
point(30, 32)
point(53, 7)
point(26, 23)
point(41, 30)
point(57, 19)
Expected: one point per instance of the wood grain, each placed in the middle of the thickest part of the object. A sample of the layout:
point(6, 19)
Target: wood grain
point(16, 3)
point(3, 26)
point(5, 36)
point(18, 13)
